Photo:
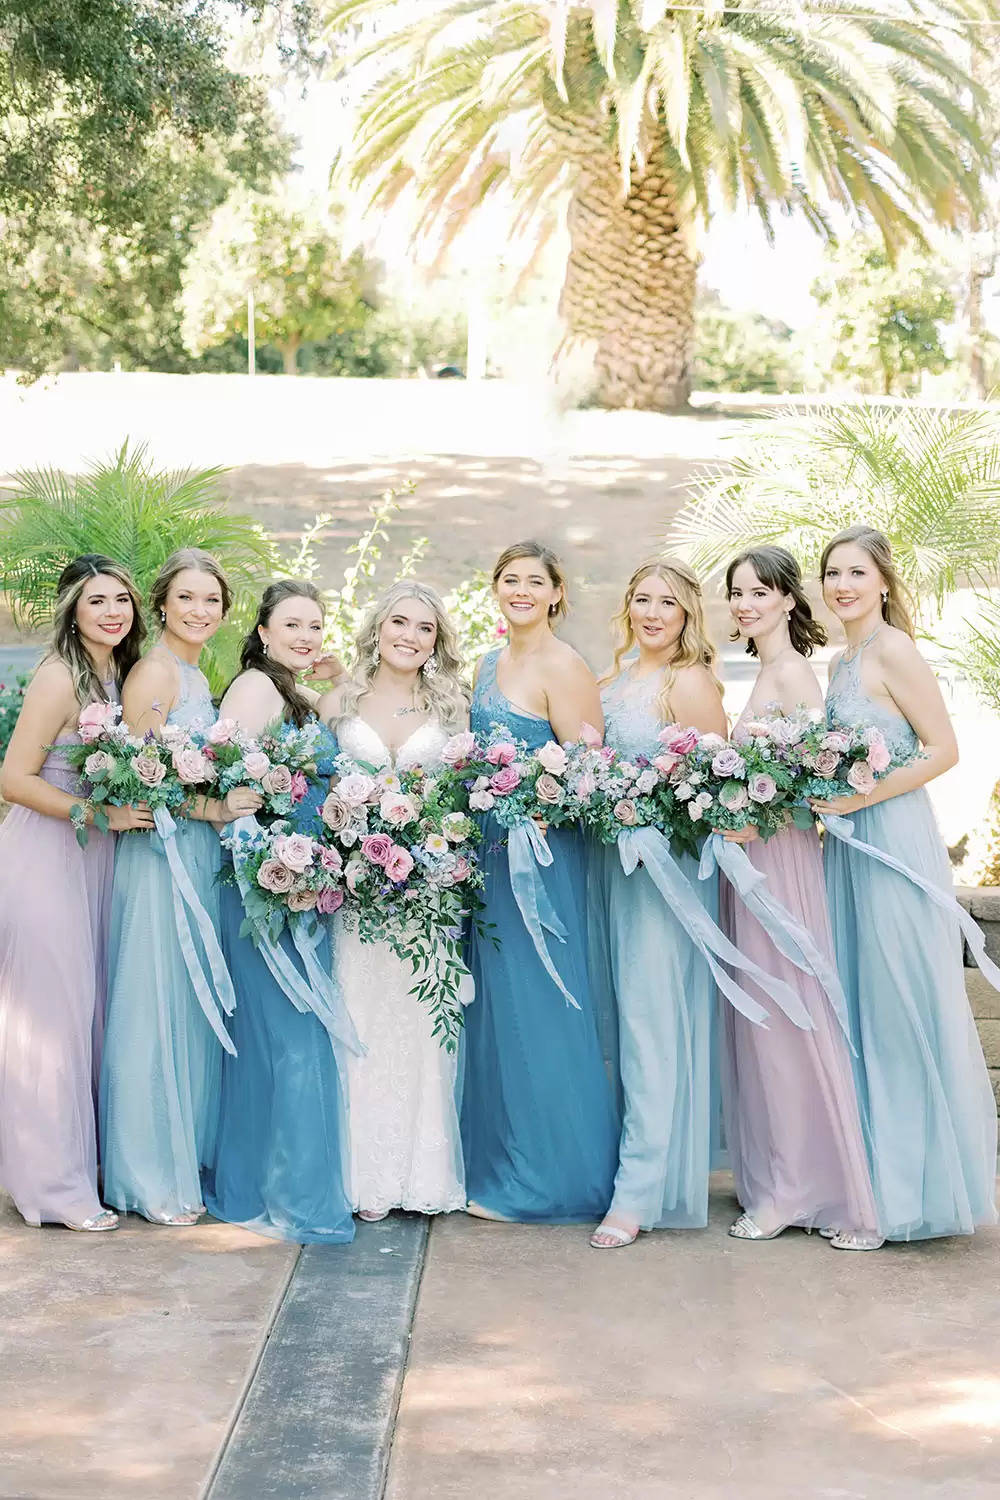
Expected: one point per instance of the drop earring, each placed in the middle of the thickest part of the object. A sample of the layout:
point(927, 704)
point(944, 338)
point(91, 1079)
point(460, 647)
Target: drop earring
point(163, 617)
point(376, 655)
point(266, 652)
point(430, 666)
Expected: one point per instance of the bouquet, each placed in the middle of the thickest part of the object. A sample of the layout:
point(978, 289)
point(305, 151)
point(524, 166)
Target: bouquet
point(842, 762)
point(122, 769)
point(281, 874)
point(513, 782)
point(279, 764)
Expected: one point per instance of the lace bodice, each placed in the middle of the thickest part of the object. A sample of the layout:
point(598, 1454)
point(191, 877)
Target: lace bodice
point(632, 719)
point(194, 708)
point(422, 748)
point(848, 704)
point(490, 706)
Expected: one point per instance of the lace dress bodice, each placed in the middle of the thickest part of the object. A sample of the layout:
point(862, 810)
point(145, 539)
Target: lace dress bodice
point(490, 706)
point(423, 747)
point(632, 721)
point(194, 708)
point(848, 706)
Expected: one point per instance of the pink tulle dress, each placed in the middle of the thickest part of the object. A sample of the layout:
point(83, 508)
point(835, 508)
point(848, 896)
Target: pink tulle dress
point(55, 901)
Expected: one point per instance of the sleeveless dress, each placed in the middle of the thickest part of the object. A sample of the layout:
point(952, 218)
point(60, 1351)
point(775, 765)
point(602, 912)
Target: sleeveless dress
point(539, 1125)
point(281, 1160)
point(927, 1109)
point(662, 1001)
point(406, 1151)
point(55, 904)
point(162, 1068)
point(791, 1115)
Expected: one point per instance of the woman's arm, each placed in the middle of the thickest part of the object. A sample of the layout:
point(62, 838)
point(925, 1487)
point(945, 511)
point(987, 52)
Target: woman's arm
point(695, 702)
point(572, 698)
point(329, 707)
point(149, 694)
point(252, 701)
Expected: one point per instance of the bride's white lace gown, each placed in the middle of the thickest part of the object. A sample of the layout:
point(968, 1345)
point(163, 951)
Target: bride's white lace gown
point(406, 1150)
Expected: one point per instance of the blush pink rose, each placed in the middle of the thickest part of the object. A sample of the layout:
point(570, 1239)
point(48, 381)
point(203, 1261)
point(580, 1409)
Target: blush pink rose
point(329, 900)
point(335, 813)
point(294, 850)
point(878, 756)
point(826, 762)
point(397, 809)
point(376, 848)
point(506, 780)
point(356, 788)
point(399, 864)
point(275, 877)
point(504, 753)
point(191, 766)
point(710, 742)
point(552, 758)
point(330, 860)
point(625, 811)
point(586, 786)
point(149, 768)
point(461, 870)
point(667, 763)
point(277, 782)
point(678, 741)
point(256, 765)
point(95, 718)
point(761, 787)
point(223, 732)
point(302, 900)
point(548, 790)
point(839, 743)
point(861, 778)
point(459, 749)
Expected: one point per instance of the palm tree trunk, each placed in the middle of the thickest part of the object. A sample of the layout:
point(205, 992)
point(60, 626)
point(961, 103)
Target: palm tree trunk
point(289, 351)
point(630, 284)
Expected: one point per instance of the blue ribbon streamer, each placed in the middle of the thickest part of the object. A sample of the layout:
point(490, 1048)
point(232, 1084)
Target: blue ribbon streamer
point(786, 932)
point(843, 829)
point(186, 900)
point(526, 850)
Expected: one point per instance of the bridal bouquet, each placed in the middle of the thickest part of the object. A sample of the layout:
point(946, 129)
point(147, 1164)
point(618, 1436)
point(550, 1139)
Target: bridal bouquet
point(278, 764)
point(122, 769)
point(282, 873)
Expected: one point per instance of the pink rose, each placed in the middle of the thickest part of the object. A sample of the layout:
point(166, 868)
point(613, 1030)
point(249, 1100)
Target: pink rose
point(506, 780)
point(399, 864)
point(459, 749)
point(335, 813)
point(667, 763)
point(826, 763)
point(552, 758)
point(300, 786)
point(275, 877)
point(376, 848)
point(590, 737)
point(149, 768)
point(223, 732)
point(461, 870)
point(678, 741)
point(329, 900)
point(98, 764)
point(302, 900)
point(294, 850)
point(191, 766)
point(878, 756)
point(95, 718)
point(504, 753)
point(710, 742)
point(277, 782)
point(256, 765)
point(330, 860)
point(356, 788)
point(860, 777)
point(397, 809)
point(733, 796)
point(761, 787)
point(727, 763)
point(548, 790)
point(625, 811)
point(839, 743)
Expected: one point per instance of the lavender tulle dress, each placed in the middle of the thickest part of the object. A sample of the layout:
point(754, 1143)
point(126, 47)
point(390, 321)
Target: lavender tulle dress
point(55, 901)
point(791, 1116)
point(927, 1109)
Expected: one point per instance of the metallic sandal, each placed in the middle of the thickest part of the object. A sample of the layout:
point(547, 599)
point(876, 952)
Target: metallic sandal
point(97, 1223)
point(746, 1228)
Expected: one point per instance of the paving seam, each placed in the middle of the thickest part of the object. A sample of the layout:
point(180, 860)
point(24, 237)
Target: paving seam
point(397, 1394)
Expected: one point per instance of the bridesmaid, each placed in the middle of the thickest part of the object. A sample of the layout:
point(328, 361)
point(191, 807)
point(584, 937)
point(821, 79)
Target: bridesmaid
point(662, 988)
point(54, 903)
point(791, 1115)
point(281, 1165)
point(928, 1111)
point(162, 1067)
point(538, 1121)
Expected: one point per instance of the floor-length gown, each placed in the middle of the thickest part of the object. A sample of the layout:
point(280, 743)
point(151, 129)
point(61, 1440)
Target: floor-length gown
point(791, 1115)
point(662, 1002)
point(162, 1067)
point(55, 903)
point(927, 1109)
point(281, 1164)
point(539, 1125)
point(406, 1151)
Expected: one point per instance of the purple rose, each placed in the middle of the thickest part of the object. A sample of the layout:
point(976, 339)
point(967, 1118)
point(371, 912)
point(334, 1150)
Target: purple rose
point(761, 787)
point(506, 780)
point(329, 900)
point(376, 848)
point(728, 763)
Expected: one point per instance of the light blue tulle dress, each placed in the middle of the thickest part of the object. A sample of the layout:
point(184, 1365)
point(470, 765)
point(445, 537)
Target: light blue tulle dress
point(539, 1126)
point(162, 1066)
point(661, 1006)
point(927, 1109)
point(281, 1166)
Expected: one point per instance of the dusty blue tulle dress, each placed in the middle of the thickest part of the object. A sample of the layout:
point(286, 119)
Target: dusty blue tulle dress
point(161, 1070)
point(927, 1109)
point(281, 1165)
point(660, 1006)
point(539, 1126)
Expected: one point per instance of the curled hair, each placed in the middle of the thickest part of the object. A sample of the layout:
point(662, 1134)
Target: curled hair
point(179, 562)
point(253, 658)
point(777, 569)
point(442, 694)
point(897, 605)
point(67, 645)
point(549, 561)
point(694, 647)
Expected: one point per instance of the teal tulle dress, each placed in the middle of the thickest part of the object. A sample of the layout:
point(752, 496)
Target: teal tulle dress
point(659, 1006)
point(928, 1113)
point(539, 1126)
point(162, 1065)
point(281, 1165)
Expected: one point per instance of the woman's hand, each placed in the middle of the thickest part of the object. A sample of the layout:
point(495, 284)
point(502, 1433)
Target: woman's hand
point(739, 835)
point(841, 806)
point(241, 802)
point(328, 668)
point(126, 819)
point(540, 823)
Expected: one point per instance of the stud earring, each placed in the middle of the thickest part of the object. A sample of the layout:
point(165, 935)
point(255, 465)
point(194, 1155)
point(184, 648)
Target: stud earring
point(430, 666)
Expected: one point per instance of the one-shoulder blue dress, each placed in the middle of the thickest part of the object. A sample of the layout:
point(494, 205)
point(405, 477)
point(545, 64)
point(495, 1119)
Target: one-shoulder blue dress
point(539, 1124)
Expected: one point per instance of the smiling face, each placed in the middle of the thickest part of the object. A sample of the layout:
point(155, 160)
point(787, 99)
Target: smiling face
point(407, 635)
point(655, 614)
point(756, 608)
point(525, 591)
point(104, 612)
point(852, 584)
point(193, 607)
point(293, 634)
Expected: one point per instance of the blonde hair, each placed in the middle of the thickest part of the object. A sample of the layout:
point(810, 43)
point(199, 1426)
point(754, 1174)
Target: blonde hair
point(441, 694)
point(549, 562)
point(694, 645)
point(67, 645)
point(178, 562)
point(897, 606)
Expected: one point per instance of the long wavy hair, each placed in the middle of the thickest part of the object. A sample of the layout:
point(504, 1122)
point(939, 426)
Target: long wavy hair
point(777, 569)
point(178, 562)
point(897, 605)
point(549, 561)
point(441, 694)
point(694, 645)
point(298, 706)
point(67, 645)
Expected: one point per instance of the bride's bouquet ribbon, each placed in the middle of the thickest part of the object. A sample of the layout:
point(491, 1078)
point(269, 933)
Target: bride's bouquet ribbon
point(648, 846)
point(843, 829)
point(215, 990)
point(786, 932)
point(527, 848)
point(317, 992)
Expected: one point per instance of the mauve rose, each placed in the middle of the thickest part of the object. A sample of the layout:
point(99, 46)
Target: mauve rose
point(878, 756)
point(355, 789)
point(303, 900)
point(222, 732)
point(728, 762)
point(256, 765)
point(548, 790)
point(625, 811)
point(678, 741)
point(329, 900)
point(330, 860)
point(506, 780)
point(275, 877)
point(294, 850)
point(98, 764)
point(277, 782)
point(376, 848)
point(399, 864)
point(761, 787)
point(733, 796)
point(459, 749)
point(552, 758)
point(191, 766)
point(826, 762)
point(300, 786)
point(149, 769)
point(481, 801)
point(839, 743)
point(335, 813)
point(397, 809)
point(860, 777)
point(94, 719)
point(502, 754)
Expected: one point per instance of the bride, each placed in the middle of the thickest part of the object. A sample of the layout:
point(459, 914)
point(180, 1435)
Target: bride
point(402, 705)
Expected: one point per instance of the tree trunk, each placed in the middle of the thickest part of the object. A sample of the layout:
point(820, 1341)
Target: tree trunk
point(630, 281)
point(289, 351)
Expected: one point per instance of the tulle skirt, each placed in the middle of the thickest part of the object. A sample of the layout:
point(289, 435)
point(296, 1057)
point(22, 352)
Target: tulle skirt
point(927, 1109)
point(55, 901)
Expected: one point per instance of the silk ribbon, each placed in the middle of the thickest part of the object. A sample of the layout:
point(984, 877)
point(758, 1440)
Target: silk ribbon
point(526, 850)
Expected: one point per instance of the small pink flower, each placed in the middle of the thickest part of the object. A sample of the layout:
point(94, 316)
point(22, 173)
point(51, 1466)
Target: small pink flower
point(222, 732)
point(552, 758)
point(860, 777)
point(399, 864)
point(459, 749)
point(761, 787)
point(733, 796)
point(356, 788)
point(330, 860)
point(548, 790)
point(878, 756)
point(277, 782)
point(294, 850)
point(626, 812)
point(149, 768)
point(256, 765)
point(329, 900)
point(503, 753)
point(397, 809)
point(591, 737)
point(300, 786)
point(678, 741)
point(376, 848)
point(98, 764)
point(506, 780)
point(335, 813)
point(275, 877)
point(826, 763)
point(95, 718)
point(191, 766)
